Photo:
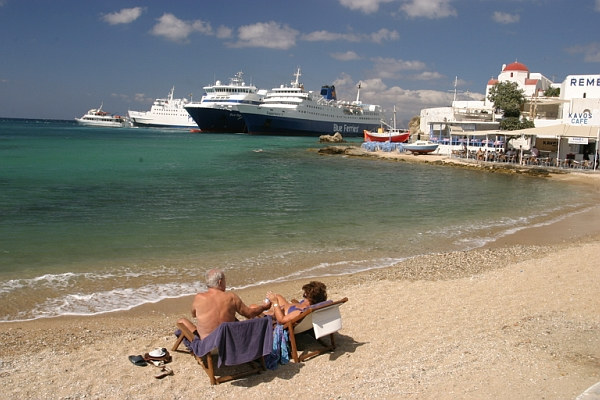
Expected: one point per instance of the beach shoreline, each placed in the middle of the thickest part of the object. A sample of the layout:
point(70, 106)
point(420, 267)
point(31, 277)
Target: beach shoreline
point(517, 318)
point(563, 174)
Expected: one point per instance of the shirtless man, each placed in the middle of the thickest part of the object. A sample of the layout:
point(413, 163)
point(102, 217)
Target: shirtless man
point(215, 306)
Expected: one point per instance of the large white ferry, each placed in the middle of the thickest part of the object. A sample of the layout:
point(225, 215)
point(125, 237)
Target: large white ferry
point(164, 113)
point(290, 110)
point(97, 117)
point(216, 111)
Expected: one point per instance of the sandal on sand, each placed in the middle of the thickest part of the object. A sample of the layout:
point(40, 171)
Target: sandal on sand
point(165, 371)
point(138, 360)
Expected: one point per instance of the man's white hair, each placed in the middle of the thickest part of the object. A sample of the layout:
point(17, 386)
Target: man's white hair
point(213, 277)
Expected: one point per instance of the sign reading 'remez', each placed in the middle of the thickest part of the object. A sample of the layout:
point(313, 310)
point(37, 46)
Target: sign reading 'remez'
point(583, 81)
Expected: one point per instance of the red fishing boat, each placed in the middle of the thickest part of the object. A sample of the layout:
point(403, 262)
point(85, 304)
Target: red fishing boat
point(388, 134)
point(391, 135)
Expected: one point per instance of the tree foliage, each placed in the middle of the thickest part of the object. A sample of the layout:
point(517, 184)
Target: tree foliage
point(507, 97)
point(552, 92)
point(514, 123)
point(414, 124)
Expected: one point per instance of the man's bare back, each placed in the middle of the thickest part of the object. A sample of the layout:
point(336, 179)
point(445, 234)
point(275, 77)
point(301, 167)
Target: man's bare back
point(215, 306)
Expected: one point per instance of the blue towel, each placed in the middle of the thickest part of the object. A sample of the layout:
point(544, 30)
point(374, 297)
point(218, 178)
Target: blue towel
point(237, 342)
point(280, 352)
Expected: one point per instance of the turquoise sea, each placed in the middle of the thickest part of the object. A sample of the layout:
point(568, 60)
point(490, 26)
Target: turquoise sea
point(94, 220)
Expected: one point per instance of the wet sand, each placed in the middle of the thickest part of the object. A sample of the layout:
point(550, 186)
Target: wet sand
point(519, 318)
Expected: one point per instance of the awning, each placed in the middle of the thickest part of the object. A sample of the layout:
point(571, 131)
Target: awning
point(562, 130)
point(555, 131)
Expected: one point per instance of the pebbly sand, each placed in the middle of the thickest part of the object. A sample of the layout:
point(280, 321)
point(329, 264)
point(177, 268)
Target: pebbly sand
point(519, 319)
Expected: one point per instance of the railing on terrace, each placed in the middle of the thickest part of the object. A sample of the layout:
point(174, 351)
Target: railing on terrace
point(496, 155)
point(527, 159)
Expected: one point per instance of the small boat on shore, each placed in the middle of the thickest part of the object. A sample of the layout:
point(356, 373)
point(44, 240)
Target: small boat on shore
point(420, 147)
point(97, 117)
point(388, 134)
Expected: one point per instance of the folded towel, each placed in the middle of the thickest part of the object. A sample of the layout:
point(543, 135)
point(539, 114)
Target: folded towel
point(237, 342)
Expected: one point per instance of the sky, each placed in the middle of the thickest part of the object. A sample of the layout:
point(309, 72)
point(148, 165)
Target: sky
point(59, 58)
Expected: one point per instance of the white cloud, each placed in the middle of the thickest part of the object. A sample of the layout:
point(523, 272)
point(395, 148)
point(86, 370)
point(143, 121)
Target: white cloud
point(120, 96)
point(597, 8)
point(384, 34)
point(391, 68)
point(175, 29)
point(409, 103)
point(366, 6)
point(142, 98)
point(125, 16)
point(591, 52)
point(376, 37)
point(432, 9)
point(347, 56)
point(271, 35)
point(224, 32)
point(325, 36)
point(506, 18)
point(428, 76)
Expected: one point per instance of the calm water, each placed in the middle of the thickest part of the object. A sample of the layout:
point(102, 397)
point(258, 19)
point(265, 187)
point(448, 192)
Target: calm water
point(94, 220)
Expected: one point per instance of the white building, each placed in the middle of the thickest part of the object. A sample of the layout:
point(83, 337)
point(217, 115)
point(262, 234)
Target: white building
point(581, 95)
point(470, 116)
point(532, 84)
point(566, 127)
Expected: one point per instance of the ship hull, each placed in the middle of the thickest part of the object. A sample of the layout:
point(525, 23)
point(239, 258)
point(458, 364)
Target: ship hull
point(103, 124)
point(147, 120)
point(287, 125)
point(217, 120)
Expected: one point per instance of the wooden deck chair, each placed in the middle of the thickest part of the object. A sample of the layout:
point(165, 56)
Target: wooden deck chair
point(322, 319)
point(208, 364)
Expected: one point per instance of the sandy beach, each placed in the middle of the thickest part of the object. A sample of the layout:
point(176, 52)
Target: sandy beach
point(518, 319)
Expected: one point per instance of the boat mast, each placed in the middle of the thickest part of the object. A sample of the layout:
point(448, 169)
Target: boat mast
point(358, 94)
point(297, 75)
point(455, 86)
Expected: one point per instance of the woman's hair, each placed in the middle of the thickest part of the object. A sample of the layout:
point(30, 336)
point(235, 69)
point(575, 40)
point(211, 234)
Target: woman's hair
point(213, 277)
point(315, 292)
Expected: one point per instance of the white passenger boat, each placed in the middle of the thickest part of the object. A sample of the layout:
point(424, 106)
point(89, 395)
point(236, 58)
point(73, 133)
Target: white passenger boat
point(290, 110)
point(216, 111)
point(164, 113)
point(420, 147)
point(97, 117)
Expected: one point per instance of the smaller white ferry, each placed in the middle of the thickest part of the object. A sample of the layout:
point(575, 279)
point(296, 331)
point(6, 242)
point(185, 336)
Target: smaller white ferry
point(97, 117)
point(164, 113)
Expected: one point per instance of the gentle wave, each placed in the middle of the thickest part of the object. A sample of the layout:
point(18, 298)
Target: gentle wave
point(466, 237)
point(126, 298)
